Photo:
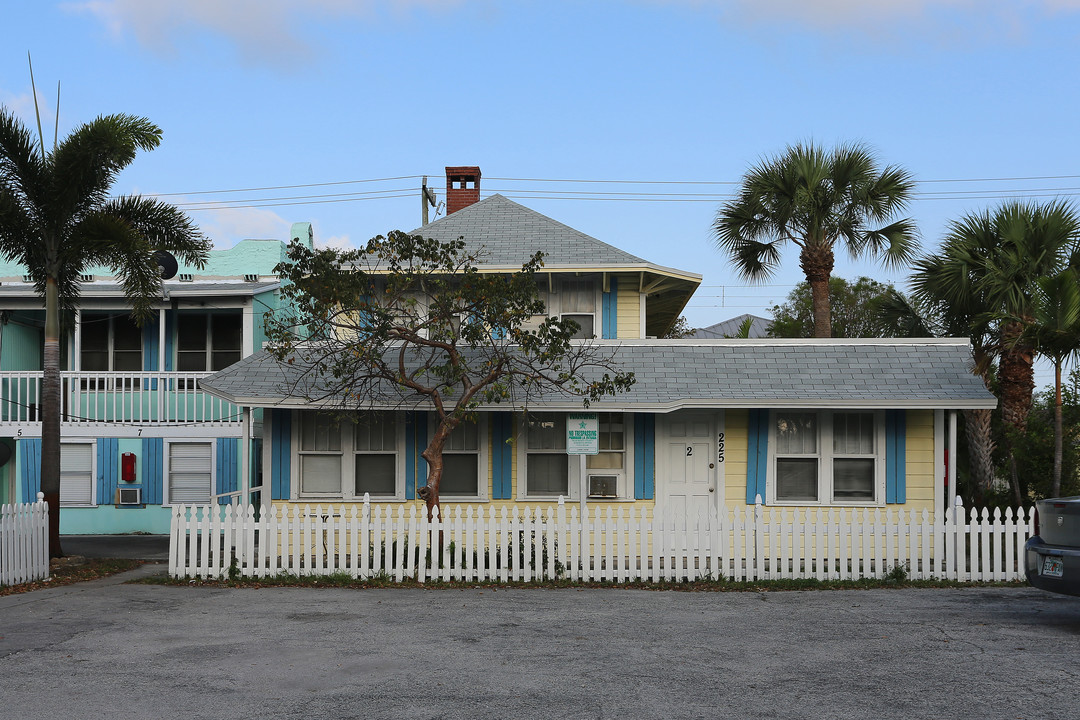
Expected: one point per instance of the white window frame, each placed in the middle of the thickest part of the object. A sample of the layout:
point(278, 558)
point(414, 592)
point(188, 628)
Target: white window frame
point(825, 457)
point(347, 488)
point(483, 463)
point(111, 334)
point(167, 470)
point(93, 473)
point(208, 340)
point(563, 313)
point(621, 488)
point(301, 453)
point(625, 485)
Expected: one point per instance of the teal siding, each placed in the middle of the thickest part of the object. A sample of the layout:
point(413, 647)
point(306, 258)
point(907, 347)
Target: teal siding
point(30, 468)
point(502, 453)
point(895, 456)
point(280, 454)
point(153, 470)
point(757, 455)
point(644, 456)
point(228, 453)
point(108, 469)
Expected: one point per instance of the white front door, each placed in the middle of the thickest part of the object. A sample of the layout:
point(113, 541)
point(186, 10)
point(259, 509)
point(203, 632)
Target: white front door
point(688, 468)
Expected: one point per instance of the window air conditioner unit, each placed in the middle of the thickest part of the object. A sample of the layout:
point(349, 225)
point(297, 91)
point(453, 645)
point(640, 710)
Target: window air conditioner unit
point(603, 486)
point(129, 496)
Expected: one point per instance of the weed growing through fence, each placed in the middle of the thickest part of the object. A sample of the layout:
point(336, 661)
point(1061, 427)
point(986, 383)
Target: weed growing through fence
point(898, 574)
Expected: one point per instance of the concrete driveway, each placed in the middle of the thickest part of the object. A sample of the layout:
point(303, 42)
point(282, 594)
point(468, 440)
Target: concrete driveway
point(105, 649)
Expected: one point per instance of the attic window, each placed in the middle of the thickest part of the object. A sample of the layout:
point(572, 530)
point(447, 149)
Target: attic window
point(185, 277)
point(251, 277)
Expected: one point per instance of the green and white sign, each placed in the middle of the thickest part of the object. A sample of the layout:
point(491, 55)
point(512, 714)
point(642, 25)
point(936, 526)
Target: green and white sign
point(582, 434)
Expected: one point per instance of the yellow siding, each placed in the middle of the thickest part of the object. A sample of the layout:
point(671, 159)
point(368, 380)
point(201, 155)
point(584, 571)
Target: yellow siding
point(920, 460)
point(629, 308)
point(736, 437)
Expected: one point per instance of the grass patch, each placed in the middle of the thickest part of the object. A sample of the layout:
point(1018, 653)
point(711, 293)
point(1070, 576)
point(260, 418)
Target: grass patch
point(70, 571)
point(894, 580)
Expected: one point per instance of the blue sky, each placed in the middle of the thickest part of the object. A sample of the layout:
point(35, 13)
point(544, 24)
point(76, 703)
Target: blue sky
point(682, 94)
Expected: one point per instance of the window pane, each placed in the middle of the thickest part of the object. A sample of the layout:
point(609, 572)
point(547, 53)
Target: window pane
point(187, 361)
point(853, 479)
point(605, 460)
point(376, 474)
point(547, 474)
point(94, 333)
point(796, 479)
point(95, 361)
point(547, 431)
point(796, 433)
point(190, 473)
point(463, 438)
point(191, 333)
point(585, 332)
point(127, 337)
point(459, 475)
point(578, 296)
point(320, 473)
point(319, 432)
point(853, 433)
point(377, 431)
point(222, 360)
point(226, 332)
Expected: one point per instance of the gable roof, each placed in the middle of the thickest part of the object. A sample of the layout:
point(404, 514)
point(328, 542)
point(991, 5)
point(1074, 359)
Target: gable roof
point(674, 374)
point(507, 234)
point(759, 328)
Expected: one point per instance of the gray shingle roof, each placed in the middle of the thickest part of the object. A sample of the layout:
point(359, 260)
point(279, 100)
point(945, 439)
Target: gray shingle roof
point(509, 233)
point(720, 373)
point(759, 328)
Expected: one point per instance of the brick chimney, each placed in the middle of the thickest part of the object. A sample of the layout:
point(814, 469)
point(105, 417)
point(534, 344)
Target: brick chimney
point(462, 187)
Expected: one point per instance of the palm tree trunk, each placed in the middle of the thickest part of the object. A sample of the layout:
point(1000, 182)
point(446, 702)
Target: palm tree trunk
point(817, 264)
point(1055, 481)
point(1017, 377)
point(50, 415)
point(980, 442)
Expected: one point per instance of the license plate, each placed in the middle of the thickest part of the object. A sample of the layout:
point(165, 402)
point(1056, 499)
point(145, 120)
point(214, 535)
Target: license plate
point(1053, 566)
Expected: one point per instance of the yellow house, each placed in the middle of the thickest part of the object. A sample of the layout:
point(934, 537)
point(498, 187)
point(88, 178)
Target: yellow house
point(717, 423)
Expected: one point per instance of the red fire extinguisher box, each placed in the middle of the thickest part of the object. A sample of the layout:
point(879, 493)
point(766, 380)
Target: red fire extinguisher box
point(127, 467)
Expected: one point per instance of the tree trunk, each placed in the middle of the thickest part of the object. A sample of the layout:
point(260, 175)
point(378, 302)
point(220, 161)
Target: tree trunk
point(50, 416)
point(433, 453)
point(980, 441)
point(1016, 375)
point(1055, 481)
point(817, 264)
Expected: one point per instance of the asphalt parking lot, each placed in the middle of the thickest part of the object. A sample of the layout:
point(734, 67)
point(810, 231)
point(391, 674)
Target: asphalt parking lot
point(105, 649)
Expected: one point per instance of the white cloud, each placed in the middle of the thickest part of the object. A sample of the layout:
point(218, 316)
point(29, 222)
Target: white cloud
point(262, 30)
point(340, 242)
point(228, 226)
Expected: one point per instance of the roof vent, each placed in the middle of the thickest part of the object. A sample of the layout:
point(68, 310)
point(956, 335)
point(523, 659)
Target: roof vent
point(251, 277)
point(185, 277)
point(86, 278)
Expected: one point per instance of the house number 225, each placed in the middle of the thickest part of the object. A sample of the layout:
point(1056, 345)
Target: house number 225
point(720, 448)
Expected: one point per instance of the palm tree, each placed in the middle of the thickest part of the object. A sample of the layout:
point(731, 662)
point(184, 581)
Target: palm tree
point(987, 271)
point(815, 199)
point(1056, 335)
point(57, 219)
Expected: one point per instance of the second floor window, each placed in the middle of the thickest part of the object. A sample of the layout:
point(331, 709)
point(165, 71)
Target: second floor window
point(577, 302)
point(207, 342)
point(110, 341)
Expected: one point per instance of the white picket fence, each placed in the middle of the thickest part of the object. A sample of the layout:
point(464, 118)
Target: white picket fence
point(470, 543)
point(24, 542)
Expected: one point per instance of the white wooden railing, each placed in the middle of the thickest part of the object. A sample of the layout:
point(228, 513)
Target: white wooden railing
point(477, 543)
point(24, 542)
point(109, 397)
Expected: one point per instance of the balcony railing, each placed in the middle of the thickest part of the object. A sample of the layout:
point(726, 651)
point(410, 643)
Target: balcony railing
point(116, 397)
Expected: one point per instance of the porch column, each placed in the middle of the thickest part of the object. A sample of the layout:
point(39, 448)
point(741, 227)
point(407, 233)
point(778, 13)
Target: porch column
point(941, 451)
point(245, 458)
point(161, 340)
point(76, 354)
point(952, 458)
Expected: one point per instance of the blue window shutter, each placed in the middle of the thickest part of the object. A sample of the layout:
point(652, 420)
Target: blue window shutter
point(280, 454)
point(501, 455)
point(30, 470)
point(757, 454)
point(108, 468)
point(150, 345)
point(644, 456)
point(153, 470)
point(226, 471)
point(895, 456)
point(609, 309)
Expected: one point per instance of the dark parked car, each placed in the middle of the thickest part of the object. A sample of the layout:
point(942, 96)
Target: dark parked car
point(1052, 555)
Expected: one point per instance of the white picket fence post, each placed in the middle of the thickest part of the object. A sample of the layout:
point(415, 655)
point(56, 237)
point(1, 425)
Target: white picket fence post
point(612, 544)
point(24, 542)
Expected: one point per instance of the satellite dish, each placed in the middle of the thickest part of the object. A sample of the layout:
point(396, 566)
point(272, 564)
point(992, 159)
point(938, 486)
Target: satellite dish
point(167, 263)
